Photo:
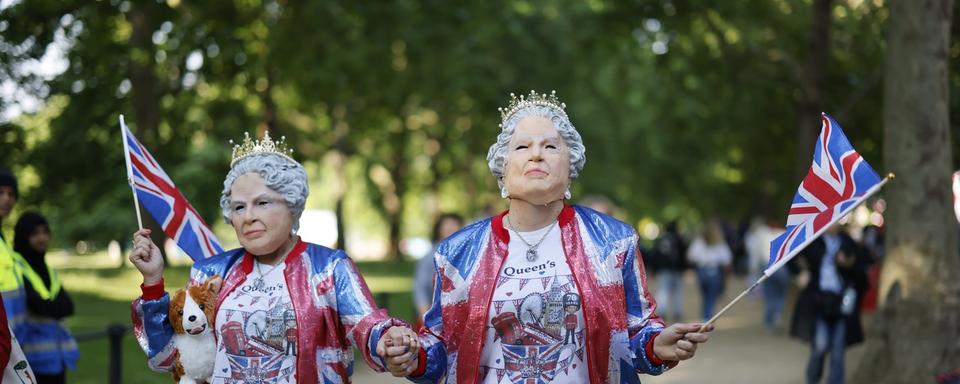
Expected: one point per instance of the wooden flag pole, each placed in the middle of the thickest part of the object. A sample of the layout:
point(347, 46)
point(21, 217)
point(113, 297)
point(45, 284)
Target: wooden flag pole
point(890, 176)
point(126, 157)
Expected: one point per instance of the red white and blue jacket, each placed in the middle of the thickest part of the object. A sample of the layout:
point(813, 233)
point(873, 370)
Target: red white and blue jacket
point(333, 306)
point(607, 268)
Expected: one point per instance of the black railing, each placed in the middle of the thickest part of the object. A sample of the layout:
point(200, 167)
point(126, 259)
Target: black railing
point(115, 333)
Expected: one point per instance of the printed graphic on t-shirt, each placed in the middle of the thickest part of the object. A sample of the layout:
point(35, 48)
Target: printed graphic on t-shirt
point(535, 334)
point(258, 333)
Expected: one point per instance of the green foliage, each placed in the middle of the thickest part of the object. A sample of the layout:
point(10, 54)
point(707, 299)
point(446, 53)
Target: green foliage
point(686, 109)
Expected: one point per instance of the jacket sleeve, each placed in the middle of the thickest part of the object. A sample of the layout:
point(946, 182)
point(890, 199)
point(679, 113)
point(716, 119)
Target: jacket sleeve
point(432, 366)
point(643, 324)
point(152, 329)
point(151, 325)
point(363, 322)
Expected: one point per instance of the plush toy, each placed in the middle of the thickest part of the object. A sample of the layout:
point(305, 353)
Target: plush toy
point(192, 318)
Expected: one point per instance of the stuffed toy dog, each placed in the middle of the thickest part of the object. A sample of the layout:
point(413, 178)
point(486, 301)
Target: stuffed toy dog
point(192, 318)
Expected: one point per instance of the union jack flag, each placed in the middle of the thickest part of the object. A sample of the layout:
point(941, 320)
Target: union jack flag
point(838, 180)
point(257, 369)
point(531, 364)
point(165, 203)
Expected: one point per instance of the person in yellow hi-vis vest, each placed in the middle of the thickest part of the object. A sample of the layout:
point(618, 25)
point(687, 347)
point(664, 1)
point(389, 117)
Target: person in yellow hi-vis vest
point(13, 304)
point(11, 264)
point(46, 341)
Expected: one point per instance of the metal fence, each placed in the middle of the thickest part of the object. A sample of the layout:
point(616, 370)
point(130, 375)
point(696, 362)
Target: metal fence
point(114, 332)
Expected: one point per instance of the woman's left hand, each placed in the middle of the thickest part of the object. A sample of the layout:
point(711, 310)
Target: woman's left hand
point(679, 341)
point(399, 347)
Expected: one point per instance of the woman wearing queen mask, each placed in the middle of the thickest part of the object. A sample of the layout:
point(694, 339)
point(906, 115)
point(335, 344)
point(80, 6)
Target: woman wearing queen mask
point(544, 291)
point(287, 311)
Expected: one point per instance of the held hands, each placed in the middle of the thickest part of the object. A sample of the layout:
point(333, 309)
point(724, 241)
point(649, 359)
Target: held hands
point(146, 257)
point(679, 341)
point(400, 349)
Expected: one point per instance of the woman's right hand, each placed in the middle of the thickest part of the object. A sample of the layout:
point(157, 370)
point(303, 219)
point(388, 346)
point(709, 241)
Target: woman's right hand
point(399, 347)
point(147, 258)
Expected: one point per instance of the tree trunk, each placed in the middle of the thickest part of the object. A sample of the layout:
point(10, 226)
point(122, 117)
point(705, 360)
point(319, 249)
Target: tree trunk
point(432, 208)
point(812, 83)
point(340, 183)
point(145, 94)
point(268, 120)
point(145, 91)
point(399, 173)
point(338, 213)
point(915, 336)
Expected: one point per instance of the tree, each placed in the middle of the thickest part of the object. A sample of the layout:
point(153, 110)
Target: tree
point(671, 99)
point(132, 58)
point(812, 84)
point(915, 335)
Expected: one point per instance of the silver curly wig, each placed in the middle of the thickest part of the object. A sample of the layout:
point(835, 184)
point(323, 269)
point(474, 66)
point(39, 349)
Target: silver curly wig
point(497, 156)
point(282, 175)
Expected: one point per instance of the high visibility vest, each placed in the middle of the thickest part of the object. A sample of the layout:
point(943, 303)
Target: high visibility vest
point(11, 285)
point(46, 293)
point(11, 264)
point(46, 342)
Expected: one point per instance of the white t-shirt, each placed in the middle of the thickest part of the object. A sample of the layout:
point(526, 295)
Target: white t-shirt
point(709, 256)
point(258, 331)
point(536, 328)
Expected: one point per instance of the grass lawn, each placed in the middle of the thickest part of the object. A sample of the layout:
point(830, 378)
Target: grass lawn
point(103, 296)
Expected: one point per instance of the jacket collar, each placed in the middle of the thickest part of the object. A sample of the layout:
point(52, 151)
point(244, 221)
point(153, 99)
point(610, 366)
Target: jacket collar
point(566, 215)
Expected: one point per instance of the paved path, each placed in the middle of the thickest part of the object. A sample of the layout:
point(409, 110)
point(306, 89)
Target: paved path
point(739, 351)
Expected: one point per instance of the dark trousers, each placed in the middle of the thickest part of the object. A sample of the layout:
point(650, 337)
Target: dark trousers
point(829, 338)
point(60, 378)
point(711, 286)
point(291, 348)
point(774, 297)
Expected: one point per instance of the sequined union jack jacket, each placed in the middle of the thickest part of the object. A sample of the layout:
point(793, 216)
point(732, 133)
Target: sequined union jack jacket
point(619, 311)
point(333, 306)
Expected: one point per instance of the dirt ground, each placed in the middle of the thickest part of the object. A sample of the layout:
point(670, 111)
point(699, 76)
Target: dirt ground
point(740, 350)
